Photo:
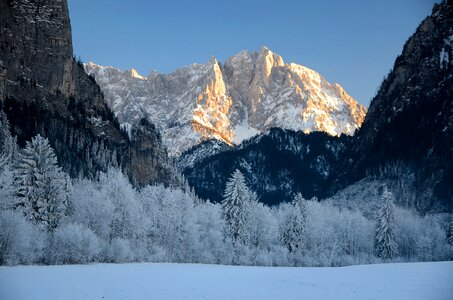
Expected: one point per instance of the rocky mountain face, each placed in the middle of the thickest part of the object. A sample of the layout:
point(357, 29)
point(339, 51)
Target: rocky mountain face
point(230, 102)
point(406, 140)
point(44, 90)
point(410, 120)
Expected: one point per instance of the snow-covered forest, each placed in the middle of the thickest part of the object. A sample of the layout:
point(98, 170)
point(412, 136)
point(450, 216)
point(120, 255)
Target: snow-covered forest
point(48, 218)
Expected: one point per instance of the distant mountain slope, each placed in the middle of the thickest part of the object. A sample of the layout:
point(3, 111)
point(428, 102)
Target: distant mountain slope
point(277, 164)
point(249, 94)
point(44, 90)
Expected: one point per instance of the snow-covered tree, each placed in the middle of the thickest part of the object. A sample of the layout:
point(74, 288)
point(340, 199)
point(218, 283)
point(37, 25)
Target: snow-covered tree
point(214, 247)
point(40, 183)
point(385, 244)
point(235, 206)
point(88, 206)
point(294, 231)
point(8, 144)
point(7, 152)
point(127, 219)
point(20, 241)
point(119, 251)
point(450, 233)
point(74, 244)
point(262, 231)
point(7, 191)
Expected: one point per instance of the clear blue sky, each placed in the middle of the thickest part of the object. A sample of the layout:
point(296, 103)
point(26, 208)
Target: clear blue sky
point(351, 42)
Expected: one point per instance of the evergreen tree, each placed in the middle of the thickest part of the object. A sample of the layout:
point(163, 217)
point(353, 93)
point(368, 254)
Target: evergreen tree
point(7, 142)
point(450, 233)
point(40, 183)
point(295, 225)
point(7, 152)
point(385, 244)
point(235, 206)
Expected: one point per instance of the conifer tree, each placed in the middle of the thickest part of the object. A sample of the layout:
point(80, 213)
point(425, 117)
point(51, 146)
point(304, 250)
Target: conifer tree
point(234, 207)
point(295, 225)
point(40, 184)
point(450, 233)
point(385, 244)
point(7, 142)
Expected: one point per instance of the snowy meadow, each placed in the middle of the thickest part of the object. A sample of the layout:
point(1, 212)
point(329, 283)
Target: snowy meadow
point(410, 281)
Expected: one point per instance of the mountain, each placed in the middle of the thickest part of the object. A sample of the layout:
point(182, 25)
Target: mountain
point(43, 90)
point(247, 95)
point(409, 126)
point(201, 151)
point(405, 142)
point(276, 164)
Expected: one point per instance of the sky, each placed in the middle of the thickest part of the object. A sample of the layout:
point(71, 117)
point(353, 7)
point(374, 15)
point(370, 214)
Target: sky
point(352, 42)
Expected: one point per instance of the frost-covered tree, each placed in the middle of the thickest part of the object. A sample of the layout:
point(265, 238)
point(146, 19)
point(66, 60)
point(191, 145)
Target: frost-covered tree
point(127, 218)
point(235, 206)
point(7, 152)
point(119, 251)
point(450, 233)
point(7, 191)
point(20, 241)
point(214, 247)
point(88, 206)
point(40, 183)
point(294, 231)
point(262, 230)
point(8, 144)
point(385, 243)
point(74, 244)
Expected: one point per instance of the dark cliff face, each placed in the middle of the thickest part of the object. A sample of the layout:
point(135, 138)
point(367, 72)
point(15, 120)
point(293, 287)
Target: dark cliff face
point(410, 120)
point(36, 43)
point(276, 164)
point(44, 90)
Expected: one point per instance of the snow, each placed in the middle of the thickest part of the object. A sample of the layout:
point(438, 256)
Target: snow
point(127, 127)
point(202, 100)
point(189, 281)
point(244, 131)
point(443, 57)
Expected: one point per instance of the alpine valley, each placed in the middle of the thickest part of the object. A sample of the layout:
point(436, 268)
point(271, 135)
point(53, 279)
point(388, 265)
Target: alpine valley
point(251, 161)
point(283, 125)
point(289, 130)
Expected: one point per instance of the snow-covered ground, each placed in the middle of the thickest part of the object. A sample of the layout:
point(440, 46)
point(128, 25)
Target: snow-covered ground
point(189, 281)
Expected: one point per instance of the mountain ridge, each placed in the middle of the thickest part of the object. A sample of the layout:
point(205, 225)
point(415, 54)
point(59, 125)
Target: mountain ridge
point(248, 94)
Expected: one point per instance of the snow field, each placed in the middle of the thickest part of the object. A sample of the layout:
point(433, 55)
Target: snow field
point(410, 281)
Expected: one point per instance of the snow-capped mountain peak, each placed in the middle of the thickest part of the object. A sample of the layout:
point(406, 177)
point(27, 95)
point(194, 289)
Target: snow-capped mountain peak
point(250, 93)
point(135, 74)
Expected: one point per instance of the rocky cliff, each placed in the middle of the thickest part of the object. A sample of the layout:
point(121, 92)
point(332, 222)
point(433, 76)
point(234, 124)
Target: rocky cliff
point(248, 94)
point(44, 90)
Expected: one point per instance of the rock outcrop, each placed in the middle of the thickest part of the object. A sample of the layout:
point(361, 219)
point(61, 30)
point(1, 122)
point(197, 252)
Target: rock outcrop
point(44, 90)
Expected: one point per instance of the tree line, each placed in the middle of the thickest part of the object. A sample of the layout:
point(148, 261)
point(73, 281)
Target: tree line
point(48, 218)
